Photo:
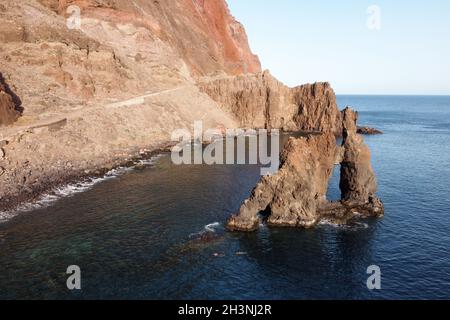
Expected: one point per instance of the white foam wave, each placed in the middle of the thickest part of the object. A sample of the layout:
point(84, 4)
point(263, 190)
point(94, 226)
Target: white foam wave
point(5, 215)
point(326, 222)
point(362, 225)
point(209, 228)
point(71, 189)
point(354, 226)
point(149, 162)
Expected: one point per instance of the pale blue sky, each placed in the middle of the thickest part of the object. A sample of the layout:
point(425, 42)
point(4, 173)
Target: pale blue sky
point(327, 40)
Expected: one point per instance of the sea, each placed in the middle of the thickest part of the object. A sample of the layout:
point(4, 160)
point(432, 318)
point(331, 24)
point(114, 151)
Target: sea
point(156, 231)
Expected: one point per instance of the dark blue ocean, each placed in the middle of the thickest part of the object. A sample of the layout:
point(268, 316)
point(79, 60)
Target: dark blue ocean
point(138, 234)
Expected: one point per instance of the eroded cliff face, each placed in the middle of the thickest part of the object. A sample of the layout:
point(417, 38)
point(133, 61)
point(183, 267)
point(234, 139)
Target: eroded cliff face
point(123, 48)
point(261, 101)
point(296, 195)
point(202, 32)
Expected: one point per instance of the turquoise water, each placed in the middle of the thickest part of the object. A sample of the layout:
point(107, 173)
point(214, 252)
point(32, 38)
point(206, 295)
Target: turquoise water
point(142, 234)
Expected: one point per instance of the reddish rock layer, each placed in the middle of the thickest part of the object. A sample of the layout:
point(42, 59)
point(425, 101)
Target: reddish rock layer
point(203, 32)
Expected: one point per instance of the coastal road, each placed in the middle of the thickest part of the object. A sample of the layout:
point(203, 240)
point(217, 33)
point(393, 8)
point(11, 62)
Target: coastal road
point(141, 99)
point(10, 132)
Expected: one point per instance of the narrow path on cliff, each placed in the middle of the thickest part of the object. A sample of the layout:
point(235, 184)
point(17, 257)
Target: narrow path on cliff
point(9, 133)
point(12, 131)
point(141, 99)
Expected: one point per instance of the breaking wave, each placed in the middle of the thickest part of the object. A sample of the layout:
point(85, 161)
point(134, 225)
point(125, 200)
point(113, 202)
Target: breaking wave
point(71, 189)
point(208, 229)
point(353, 226)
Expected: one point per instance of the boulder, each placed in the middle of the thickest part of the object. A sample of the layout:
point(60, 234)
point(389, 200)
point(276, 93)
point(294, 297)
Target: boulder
point(369, 131)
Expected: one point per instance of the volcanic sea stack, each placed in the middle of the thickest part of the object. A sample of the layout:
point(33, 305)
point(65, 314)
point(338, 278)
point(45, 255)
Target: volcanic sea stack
point(296, 195)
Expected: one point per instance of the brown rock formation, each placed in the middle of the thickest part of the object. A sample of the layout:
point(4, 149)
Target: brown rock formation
point(261, 101)
point(358, 183)
point(317, 108)
point(293, 196)
point(368, 131)
point(8, 112)
point(296, 195)
point(358, 180)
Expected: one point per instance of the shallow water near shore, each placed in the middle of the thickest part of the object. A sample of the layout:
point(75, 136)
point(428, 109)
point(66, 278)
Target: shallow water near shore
point(158, 232)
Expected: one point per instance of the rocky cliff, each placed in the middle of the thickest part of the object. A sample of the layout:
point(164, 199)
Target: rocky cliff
point(94, 97)
point(261, 101)
point(122, 48)
point(202, 32)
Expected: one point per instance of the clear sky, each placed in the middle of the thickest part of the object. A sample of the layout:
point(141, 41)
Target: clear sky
point(327, 40)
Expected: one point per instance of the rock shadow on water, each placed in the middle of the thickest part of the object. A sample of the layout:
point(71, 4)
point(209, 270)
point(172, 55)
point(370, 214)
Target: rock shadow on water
point(313, 263)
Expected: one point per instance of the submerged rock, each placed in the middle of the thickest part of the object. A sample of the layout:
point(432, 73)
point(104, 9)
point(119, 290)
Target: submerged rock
point(343, 212)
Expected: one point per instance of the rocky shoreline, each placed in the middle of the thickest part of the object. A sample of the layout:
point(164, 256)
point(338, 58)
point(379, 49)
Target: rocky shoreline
point(10, 203)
